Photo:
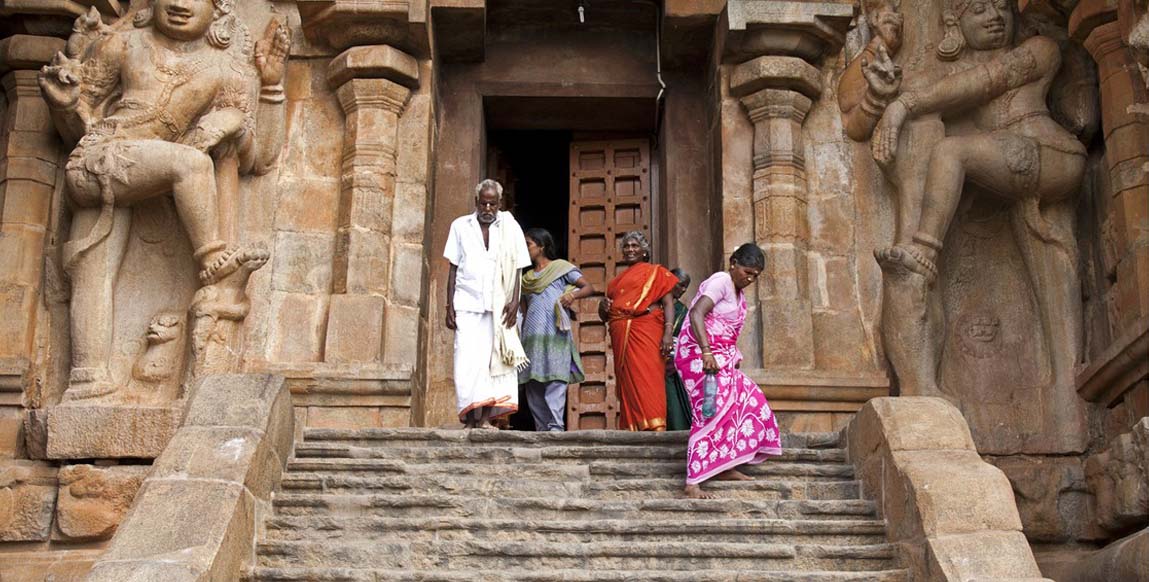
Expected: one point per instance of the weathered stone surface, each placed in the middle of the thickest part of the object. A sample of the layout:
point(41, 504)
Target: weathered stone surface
point(11, 432)
point(25, 51)
point(86, 432)
point(193, 528)
point(355, 329)
point(1052, 497)
point(953, 514)
point(374, 62)
point(195, 516)
point(93, 500)
point(1122, 560)
point(248, 401)
point(908, 424)
point(234, 455)
point(949, 492)
point(1119, 479)
point(27, 500)
point(298, 331)
point(987, 555)
point(771, 72)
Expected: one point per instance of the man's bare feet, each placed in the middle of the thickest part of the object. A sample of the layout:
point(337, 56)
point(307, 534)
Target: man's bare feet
point(696, 492)
point(733, 475)
point(486, 425)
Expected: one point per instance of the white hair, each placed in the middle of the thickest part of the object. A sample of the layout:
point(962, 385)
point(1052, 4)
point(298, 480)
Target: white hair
point(490, 184)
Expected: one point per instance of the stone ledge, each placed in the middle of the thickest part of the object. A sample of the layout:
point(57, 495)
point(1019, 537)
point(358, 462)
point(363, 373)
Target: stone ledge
point(91, 431)
point(25, 51)
point(347, 384)
point(790, 392)
point(1119, 368)
point(776, 72)
point(374, 62)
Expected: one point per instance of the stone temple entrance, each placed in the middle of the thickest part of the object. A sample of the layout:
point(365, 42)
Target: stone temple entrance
point(586, 188)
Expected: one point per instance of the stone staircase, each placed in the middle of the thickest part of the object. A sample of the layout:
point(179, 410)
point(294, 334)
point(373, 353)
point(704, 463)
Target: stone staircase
point(441, 505)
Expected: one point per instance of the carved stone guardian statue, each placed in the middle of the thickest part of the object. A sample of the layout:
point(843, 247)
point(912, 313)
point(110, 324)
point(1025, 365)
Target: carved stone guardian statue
point(999, 137)
point(154, 102)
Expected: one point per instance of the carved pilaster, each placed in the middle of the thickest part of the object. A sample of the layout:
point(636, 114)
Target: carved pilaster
point(781, 226)
point(28, 174)
point(363, 255)
point(27, 183)
point(1126, 156)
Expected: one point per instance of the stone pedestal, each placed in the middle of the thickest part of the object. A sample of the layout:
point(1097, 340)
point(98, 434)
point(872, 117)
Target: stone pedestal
point(110, 432)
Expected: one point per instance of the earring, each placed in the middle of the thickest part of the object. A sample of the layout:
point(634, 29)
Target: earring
point(953, 42)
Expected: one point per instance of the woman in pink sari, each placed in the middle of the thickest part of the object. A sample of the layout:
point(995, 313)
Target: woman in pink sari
point(743, 428)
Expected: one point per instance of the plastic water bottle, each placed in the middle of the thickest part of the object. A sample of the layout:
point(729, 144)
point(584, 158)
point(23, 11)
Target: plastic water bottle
point(709, 393)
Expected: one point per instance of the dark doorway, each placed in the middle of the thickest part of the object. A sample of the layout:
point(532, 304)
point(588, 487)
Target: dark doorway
point(535, 166)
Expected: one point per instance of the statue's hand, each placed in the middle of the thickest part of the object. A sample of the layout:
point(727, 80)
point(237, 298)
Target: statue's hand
point(271, 54)
point(885, 141)
point(60, 82)
point(214, 128)
point(882, 75)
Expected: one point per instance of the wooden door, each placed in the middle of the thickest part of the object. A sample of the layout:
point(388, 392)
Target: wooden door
point(610, 195)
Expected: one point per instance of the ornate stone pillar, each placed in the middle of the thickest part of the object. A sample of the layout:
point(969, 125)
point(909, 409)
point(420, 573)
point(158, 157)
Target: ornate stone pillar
point(1117, 377)
point(29, 152)
point(781, 225)
point(373, 99)
point(1126, 157)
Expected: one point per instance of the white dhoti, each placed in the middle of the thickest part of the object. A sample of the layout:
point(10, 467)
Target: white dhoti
point(474, 385)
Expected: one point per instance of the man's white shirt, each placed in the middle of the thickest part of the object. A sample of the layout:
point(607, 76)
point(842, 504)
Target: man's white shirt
point(475, 274)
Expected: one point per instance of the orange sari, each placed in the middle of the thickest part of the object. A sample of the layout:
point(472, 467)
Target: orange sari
point(636, 338)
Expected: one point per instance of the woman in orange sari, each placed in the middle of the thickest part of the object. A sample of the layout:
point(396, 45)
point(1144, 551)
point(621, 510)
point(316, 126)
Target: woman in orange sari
point(640, 334)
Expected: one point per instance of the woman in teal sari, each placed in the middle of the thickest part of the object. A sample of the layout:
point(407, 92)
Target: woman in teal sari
point(677, 403)
point(550, 288)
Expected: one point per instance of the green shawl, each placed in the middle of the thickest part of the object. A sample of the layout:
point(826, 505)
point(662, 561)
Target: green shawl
point(535, 283)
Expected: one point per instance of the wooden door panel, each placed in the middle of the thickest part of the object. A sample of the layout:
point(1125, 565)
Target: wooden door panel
point(609, 196)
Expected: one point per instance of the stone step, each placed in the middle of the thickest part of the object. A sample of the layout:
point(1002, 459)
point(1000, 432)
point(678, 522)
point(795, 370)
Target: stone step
point(840, 532)
point(771, 468)
point(443, 437)
point(455, 555)
point(541, 508)
point(264, 574)
point(649, 488)
point(554, 454)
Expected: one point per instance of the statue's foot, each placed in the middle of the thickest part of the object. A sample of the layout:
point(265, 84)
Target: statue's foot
point(906, 257)
point(88, 383)
point(233, 267)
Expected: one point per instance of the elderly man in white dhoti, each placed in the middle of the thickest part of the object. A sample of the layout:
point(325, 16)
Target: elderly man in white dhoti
point(487, 252)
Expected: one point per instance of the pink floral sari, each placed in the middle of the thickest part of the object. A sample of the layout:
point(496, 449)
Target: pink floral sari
point(744, 430)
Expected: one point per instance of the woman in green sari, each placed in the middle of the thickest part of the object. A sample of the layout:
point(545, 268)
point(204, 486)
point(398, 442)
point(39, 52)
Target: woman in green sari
point(550, 288)
point(677, 403)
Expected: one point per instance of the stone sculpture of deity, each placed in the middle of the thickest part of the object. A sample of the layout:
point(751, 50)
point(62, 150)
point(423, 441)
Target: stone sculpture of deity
point(153, 101)
point(1000, 136)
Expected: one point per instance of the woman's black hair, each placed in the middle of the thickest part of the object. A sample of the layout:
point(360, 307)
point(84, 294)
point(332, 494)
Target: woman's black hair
point(749, 255)
point(543, 238)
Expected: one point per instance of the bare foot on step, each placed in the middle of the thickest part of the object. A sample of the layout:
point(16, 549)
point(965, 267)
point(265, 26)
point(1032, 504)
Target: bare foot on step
point(696, 492)
point(733, 475)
